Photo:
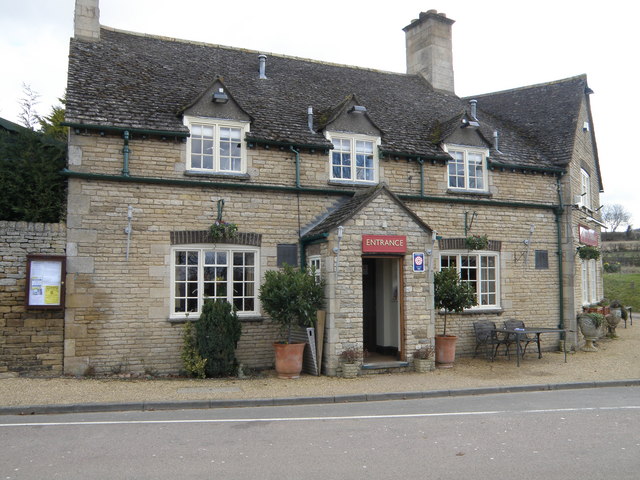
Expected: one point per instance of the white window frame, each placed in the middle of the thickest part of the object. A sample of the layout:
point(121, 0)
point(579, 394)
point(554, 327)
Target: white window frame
point(217, 125)
point(230, 250)
point(315, 266)
point(466, 153)
point(482, 279)
point(585, 189)
point(354, 139)
point(589, 282)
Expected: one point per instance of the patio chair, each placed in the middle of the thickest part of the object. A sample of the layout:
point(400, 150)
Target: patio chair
point(487, 337)
point(524, 339)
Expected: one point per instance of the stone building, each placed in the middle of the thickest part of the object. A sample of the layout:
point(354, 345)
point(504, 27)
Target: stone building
point(374, 178)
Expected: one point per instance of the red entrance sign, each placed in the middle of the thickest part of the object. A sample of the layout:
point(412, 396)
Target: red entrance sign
point(587, 236)
point(384, 244)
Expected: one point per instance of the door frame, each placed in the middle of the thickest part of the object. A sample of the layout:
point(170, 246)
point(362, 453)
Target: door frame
point(399, 259)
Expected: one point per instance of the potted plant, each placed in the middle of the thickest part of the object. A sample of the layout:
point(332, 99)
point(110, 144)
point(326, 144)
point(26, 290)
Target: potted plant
point(423, 359)
point(450, 294)
point(351, 358)
point(477, 242)
point(291, 297)
point(590, 324)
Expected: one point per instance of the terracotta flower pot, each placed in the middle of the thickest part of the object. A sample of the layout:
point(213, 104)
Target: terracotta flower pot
point(445, 350)
point(288, 359)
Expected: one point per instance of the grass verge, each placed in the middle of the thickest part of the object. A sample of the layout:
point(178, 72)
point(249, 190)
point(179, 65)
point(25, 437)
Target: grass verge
point(624, 287)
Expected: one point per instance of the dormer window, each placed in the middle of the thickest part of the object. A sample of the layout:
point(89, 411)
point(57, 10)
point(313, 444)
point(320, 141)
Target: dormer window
point(216, 146)
point(354, 158)
point(467, 168)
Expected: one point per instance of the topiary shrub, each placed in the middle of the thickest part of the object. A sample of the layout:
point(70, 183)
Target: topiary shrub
point(217, 333)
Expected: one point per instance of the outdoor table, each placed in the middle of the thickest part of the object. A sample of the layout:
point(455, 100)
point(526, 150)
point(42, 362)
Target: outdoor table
point(520, 332)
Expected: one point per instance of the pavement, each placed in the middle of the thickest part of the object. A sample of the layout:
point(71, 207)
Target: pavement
point(616, 363)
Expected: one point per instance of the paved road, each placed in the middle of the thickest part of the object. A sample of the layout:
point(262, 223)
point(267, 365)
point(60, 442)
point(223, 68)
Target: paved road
point(588, 434)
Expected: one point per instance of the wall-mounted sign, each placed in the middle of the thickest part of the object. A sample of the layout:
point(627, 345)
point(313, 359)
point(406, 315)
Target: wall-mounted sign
point(587, 236)
point(384, 244)
point(418, 262)
point(45, 281)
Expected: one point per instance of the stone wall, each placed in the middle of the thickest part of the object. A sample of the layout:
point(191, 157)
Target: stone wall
point(32, 340)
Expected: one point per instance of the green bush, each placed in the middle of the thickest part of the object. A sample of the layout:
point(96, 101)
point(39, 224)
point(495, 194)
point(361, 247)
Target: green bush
point(192, 362)
point(31, 186)
point(451, 294)
point(217, 333)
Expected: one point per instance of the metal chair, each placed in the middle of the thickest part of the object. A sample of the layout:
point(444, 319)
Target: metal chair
point(485, 332)
point(526, 339)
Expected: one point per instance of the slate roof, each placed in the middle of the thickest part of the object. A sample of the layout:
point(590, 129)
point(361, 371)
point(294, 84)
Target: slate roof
point(136, 81)
point(353, 205)
point(544, 116)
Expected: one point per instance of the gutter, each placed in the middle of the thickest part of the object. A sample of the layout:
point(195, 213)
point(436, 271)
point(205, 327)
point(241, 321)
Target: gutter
point(553, 171)
point(306, 241)
point(141, 131)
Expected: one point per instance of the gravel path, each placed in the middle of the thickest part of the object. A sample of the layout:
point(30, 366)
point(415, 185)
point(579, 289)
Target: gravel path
point(617, 359)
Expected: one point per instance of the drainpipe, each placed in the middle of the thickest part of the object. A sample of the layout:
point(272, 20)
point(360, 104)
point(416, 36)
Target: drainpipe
point(421, 163)
point(558, 212)
point(125, 152)
point(297, 165)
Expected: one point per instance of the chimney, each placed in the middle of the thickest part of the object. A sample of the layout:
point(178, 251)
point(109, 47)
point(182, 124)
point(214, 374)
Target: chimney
point(429, 51)
point(86, 21)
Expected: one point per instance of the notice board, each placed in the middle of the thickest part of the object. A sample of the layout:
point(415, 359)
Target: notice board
point(45, 281)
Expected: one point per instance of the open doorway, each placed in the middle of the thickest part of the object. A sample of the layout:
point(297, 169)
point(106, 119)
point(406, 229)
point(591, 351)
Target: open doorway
point(382, 313)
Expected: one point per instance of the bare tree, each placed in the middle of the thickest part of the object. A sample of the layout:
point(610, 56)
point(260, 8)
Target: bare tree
point(28, 115)
point(615, 215)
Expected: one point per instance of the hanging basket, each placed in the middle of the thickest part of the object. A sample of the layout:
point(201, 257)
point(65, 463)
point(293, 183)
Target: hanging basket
point(220, 230)
point(477, 242)
point(588, 252)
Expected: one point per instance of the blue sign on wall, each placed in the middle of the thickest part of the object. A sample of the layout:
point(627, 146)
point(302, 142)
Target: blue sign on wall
point(418, 262)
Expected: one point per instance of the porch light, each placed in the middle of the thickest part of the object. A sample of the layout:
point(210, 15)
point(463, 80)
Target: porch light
point(220, 96)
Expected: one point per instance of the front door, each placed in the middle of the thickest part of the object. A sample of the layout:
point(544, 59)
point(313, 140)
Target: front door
point(381, 294)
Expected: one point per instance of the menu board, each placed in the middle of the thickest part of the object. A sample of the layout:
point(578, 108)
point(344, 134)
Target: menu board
point(45, 281)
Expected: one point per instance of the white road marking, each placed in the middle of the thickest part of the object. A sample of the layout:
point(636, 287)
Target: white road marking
point(311, 419)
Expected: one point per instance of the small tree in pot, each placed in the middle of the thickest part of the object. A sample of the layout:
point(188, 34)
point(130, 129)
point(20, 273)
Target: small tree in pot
point(450, 294)
point(291, 297)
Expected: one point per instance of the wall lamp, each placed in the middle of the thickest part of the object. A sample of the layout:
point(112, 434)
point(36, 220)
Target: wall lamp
point(220, 96)
point(358, 109)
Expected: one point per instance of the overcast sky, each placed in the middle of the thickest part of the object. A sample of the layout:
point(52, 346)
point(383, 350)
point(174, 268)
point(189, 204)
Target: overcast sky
point(497, 45)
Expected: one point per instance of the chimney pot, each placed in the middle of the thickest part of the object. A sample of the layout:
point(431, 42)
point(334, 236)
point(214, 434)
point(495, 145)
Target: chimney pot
point(263, 66)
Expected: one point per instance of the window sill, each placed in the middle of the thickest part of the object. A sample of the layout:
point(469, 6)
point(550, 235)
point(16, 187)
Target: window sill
point(475, 193)
point(227, 175)
point(351, 183)
point(247, 319)
point(483, 311)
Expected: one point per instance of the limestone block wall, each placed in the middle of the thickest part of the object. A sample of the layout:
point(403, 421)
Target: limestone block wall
point(526, 293)
point(345, 304)
point(117, 309)
point(31, 340)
